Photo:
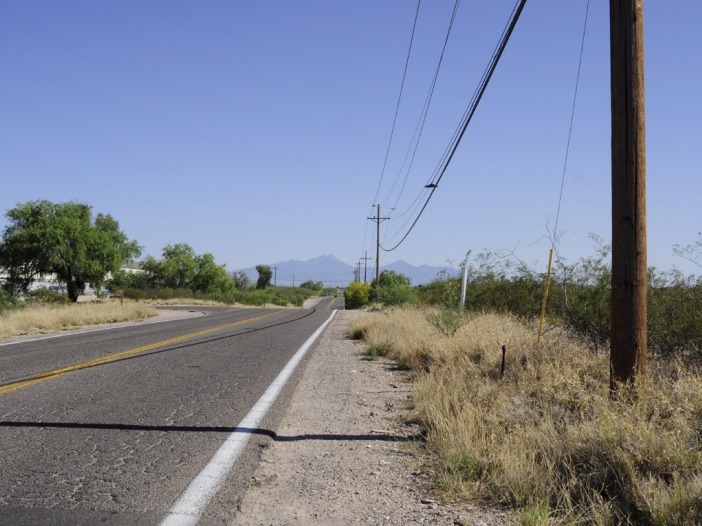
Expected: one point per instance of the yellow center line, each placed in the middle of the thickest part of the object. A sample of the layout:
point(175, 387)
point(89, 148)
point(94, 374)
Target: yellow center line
point(48, 375)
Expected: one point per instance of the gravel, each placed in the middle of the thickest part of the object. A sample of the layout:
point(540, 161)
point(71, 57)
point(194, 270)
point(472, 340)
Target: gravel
point(344, 452)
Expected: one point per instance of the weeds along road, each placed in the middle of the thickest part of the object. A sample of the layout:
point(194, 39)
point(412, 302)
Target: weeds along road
point(112, 426)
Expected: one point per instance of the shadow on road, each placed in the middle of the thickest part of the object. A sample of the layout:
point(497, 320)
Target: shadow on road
point(372, 437)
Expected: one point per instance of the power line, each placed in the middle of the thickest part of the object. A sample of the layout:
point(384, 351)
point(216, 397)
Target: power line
point(467, 116)
point(399, 98)
point(570, 129)
point(423, 115)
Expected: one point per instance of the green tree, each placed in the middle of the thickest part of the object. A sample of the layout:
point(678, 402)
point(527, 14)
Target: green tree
point(265, 274)
point(312, 285)
point(390, 277)
point(62, 239)
point(211, 277)
point(178, 267)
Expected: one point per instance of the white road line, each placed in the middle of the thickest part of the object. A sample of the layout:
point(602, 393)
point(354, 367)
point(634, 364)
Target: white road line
point(187, 510)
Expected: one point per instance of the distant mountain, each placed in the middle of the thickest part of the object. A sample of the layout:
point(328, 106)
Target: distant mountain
point(332, 271)
point(419, 275)
point(326, 269)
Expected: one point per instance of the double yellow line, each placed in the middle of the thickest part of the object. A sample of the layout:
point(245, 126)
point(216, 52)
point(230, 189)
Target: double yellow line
point(54, 373)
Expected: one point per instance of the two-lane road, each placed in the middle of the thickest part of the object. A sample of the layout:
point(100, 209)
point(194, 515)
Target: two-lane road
point(112, 426)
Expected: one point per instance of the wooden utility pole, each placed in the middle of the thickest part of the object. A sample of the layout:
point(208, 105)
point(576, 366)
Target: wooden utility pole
point(377, 219)
point(629, 287)
point(365, 267)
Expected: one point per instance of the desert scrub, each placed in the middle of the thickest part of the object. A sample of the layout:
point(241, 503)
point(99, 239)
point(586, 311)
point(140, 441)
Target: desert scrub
point(548, 439)
point(402, 335)
point(42, 318)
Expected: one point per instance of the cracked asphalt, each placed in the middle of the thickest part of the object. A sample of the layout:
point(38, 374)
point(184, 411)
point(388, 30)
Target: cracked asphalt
point(117, 439)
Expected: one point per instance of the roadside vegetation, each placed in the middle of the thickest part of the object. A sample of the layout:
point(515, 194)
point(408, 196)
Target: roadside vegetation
point(42, 313)
point(181, 274)
point(70, 246)
point(547, 438)
point(43, 310)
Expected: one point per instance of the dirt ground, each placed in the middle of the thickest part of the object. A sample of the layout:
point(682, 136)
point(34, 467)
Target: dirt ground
point(345, 453)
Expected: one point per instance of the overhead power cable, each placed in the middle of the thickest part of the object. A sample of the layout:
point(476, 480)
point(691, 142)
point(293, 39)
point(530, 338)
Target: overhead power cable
point(399, 99)
point(417, 136)
point(467, 116)
point(570, 128)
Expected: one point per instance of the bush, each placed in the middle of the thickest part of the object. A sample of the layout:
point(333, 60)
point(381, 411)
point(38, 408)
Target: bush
point(580, 299)
point(8, 301)
point(396, 294)
point(48, 296)
point(357, 295)
point(674, 313)
point(282, 302)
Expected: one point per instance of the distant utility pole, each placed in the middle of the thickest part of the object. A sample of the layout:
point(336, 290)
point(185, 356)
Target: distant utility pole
point(378, 220)
point(365, 259)
point(275, 276)
point(629, 344)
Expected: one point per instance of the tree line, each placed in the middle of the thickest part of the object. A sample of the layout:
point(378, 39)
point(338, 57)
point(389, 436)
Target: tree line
point(79, 248)
point(579, 298)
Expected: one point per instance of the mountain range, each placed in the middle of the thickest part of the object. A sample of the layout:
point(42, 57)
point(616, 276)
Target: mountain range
point(332, 271)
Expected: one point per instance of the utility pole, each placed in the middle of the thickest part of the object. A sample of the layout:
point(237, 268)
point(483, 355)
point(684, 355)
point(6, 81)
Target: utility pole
point(628, 354)
point(275, 276)
point(378, 220)
point(365, 259)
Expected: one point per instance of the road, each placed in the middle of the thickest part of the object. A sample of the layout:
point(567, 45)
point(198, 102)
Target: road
point(111, 427)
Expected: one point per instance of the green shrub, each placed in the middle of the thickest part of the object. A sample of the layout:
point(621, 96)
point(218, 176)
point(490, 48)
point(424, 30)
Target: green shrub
point(674, 313)
point(8, 301)
point(580, 300)
point(47, 296)
point(396, 294)
point(447, 320)
point(282, 302)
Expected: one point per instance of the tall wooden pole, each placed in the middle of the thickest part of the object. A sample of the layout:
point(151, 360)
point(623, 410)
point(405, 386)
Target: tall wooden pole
point(365, 267)
point(377, 252)
point(629, 287)
point(377, 219)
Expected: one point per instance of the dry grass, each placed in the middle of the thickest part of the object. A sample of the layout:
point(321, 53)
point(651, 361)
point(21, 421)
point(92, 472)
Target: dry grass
point(44, 318)
point(184, 301)
point(547, 439)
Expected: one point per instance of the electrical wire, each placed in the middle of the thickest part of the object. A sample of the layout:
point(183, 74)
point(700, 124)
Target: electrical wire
point(365, 238)
point(399, 99)
point(416, 138)
point(467, 116)
point(570, 129)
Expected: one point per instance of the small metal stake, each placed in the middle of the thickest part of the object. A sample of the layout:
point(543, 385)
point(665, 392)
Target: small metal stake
point(504, 351)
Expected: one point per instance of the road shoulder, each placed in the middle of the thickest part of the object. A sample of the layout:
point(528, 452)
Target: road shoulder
point(344, 452)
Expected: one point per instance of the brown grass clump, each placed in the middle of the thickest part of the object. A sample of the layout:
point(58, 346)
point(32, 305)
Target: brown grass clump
point(44, 318)
point(547, 439)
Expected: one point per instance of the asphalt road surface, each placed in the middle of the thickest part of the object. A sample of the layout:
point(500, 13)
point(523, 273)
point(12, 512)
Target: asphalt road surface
point(111, 426)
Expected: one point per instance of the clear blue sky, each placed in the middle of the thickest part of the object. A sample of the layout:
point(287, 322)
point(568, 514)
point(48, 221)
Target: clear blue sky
point(257, 130)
